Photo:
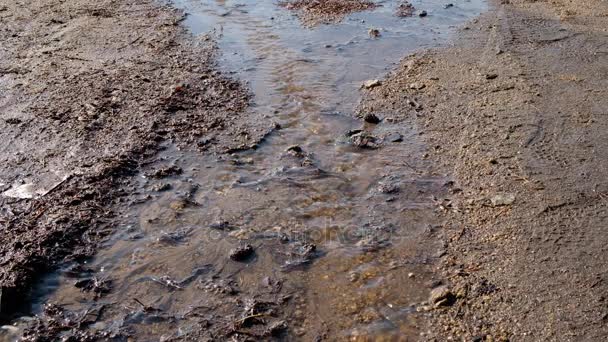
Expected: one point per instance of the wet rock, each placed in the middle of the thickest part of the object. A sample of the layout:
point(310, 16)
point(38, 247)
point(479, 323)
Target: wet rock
point(442, 296)
point(405, 10)
point(502, 200)
point(307, 250)
point(172, 238)
point(388, 188)
point(178, 205)
point(371, 118)
point(374, 33)
point(161, 187)
point(95, 285)
point(365, 140)
point(204, 142)
point(241, 253)
point(371, 84)
point(242, 161)
point(302, 254)
point(394, 137)
point(164, 172)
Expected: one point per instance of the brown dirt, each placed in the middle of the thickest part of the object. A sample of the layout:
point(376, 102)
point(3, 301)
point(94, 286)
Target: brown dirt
point(517, 107)
point(314, 12)
point(90, 89)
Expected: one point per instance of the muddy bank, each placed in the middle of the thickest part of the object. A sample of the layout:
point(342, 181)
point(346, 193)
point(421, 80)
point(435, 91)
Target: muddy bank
point(515, 111)
point(90, 90)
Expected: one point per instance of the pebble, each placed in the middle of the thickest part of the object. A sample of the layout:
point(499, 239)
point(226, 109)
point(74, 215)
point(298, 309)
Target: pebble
point(503, 199)
point(422, 14)
point(442, 296)
point(394, 137)
point(417, 86)
point(374, 33)
point(371, 84)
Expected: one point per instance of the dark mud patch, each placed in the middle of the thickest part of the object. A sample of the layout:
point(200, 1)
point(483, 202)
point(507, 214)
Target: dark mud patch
point(314, 12)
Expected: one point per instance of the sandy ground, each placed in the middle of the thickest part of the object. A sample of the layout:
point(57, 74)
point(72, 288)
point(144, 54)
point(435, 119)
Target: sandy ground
point(516, 113)
point(90, 89)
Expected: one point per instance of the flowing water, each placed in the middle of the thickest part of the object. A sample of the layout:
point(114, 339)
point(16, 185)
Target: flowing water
point(342, 236)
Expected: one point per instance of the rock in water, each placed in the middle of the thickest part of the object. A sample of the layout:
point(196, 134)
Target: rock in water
point(371, 84)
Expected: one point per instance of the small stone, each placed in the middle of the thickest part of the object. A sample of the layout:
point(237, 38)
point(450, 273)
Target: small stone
point(178, 205)
point(422, 14)
point(405, 10)
point(394, 137)
point(371, 118)
point(417, 86)
point(161, 187)
point(502, 199)
point(442, 296)
point(387, 188)
point(491, 76)
point(241, 253)
point(365, 140)
point(371, 84)
point(411, 275)
point(446, 6)
point(164, 172)
point(374, 33)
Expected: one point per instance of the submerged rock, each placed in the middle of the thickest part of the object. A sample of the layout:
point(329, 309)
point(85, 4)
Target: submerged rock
point(364, 140)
